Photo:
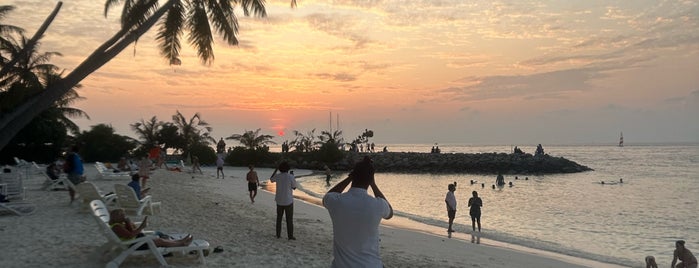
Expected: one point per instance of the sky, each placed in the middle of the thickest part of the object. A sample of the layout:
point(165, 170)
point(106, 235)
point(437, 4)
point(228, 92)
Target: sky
point(420, 71)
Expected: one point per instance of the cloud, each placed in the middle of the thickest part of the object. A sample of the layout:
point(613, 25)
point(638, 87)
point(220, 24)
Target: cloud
point(342, 77)
point(535, 85)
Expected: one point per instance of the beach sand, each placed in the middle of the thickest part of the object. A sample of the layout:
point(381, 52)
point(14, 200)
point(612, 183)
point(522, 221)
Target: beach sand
point(60, 234)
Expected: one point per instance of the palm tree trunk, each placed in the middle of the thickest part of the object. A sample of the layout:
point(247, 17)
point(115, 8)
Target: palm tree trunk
point(12, 122)
point(33, 41)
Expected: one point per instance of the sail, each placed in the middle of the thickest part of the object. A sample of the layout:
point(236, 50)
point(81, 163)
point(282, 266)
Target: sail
point(621, 139)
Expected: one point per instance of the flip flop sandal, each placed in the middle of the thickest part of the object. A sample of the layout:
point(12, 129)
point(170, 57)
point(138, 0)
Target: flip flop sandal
point(218, 249)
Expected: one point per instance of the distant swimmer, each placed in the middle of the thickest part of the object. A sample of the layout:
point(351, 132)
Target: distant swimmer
point(621, 180)
point(511, 184)
point(500, 180)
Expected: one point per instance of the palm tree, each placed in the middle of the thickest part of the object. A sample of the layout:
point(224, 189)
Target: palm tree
point(252, 139)
point(138, 16)
point(335, 137)
point(32, 73)
point(147, 131)
point(193, 131)
point(304, 142)
point(7, 31)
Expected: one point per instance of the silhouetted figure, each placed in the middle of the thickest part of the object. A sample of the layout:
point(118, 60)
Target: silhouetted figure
point(475, 203)
point(686, 258)
point(450, 199)
point(539, 150)
point(221, 146)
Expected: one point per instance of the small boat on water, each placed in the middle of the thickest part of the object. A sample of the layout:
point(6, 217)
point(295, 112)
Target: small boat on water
point(621, 139)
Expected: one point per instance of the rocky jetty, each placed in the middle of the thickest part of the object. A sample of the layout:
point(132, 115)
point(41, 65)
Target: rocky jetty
point(483, 163)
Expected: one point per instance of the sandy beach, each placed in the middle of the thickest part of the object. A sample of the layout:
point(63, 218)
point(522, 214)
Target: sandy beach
point(60, 234)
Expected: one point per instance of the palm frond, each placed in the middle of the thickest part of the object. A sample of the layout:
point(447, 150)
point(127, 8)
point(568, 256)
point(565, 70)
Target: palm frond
point(169, 32)
point(200, 35)
point(256, 7)
point(224, 21)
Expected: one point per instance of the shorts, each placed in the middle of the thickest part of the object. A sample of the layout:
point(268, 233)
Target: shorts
point(252, 186)
point(75, 178)
point(451, 213)
point(475, 215)
point(219, 168)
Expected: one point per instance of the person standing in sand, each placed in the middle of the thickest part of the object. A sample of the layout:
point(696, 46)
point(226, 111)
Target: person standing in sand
point(219, 167)
point(451, 205)
point(356, 217)
point(253, 181)
point(328, 174)
point(475, 203)
point(687, 259)
point(284, 196)
point(195, 165)
point(74, 168)
point(144, 170)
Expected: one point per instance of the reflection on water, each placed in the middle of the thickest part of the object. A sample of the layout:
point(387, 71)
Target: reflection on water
point(569, 213)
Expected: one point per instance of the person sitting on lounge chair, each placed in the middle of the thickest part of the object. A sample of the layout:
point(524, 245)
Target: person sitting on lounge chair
point(125, 229)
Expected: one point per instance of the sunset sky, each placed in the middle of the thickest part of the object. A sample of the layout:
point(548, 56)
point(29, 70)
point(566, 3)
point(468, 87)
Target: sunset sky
point(424, 71)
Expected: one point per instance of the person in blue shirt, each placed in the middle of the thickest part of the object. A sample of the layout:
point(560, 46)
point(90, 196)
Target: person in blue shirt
point(74, 168)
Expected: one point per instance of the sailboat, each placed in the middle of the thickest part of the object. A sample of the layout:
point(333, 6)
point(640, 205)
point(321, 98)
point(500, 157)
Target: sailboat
point(621, 139)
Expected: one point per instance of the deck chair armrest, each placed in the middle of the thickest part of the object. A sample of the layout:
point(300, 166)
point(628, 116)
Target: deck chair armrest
point(146, 198)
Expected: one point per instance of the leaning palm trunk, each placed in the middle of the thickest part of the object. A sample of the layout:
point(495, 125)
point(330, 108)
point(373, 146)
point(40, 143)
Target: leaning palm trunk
point(11, 123)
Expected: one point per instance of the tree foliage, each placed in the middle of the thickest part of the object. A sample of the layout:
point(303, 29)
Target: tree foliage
point(101, 143)
point(252, 139)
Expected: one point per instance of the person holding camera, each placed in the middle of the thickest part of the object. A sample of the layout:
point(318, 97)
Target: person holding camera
point(356, 216)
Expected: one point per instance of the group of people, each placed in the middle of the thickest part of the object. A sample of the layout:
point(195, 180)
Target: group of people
point(474, 203)
point(355, 214)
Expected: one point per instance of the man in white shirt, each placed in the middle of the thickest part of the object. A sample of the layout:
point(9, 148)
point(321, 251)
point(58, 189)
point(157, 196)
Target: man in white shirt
point(451, 205)
point(356, 216)
point(284, 196)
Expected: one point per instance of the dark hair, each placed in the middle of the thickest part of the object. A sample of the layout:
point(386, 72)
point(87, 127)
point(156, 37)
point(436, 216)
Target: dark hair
point(680, 242)
point(363, 172)
point(135, 177)
point(475, 194)
point(284, 166)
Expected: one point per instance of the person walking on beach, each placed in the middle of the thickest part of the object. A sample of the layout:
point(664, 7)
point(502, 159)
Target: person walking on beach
point(196, 165)
point(219, 167)
point(356, 217)
point(284, 196)
point(328, 174)
point(253, 181)
point(144, 169)
point(687, 259)
point(451, 205)
point(74, 168)
point(475, 203)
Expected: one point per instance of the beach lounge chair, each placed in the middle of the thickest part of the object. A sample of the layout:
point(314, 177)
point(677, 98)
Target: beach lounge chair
point(12, 184)
point(105, 173)
point(129, 248)
point(127, 200)
point(21, 208)
point(88, 192)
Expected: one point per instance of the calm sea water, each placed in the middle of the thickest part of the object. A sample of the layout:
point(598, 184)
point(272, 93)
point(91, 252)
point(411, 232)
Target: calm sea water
point(572, 214)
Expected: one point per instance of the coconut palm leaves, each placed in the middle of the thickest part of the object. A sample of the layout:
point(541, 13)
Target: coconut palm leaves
point(147, 131)
point(252, 139)
point(197, 17)
point(193, 131)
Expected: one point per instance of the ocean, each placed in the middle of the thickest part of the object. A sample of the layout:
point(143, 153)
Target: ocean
point(574, 214)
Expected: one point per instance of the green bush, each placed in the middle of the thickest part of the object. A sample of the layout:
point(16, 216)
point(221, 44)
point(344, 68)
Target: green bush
point(206, 154)
point(241, 156)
